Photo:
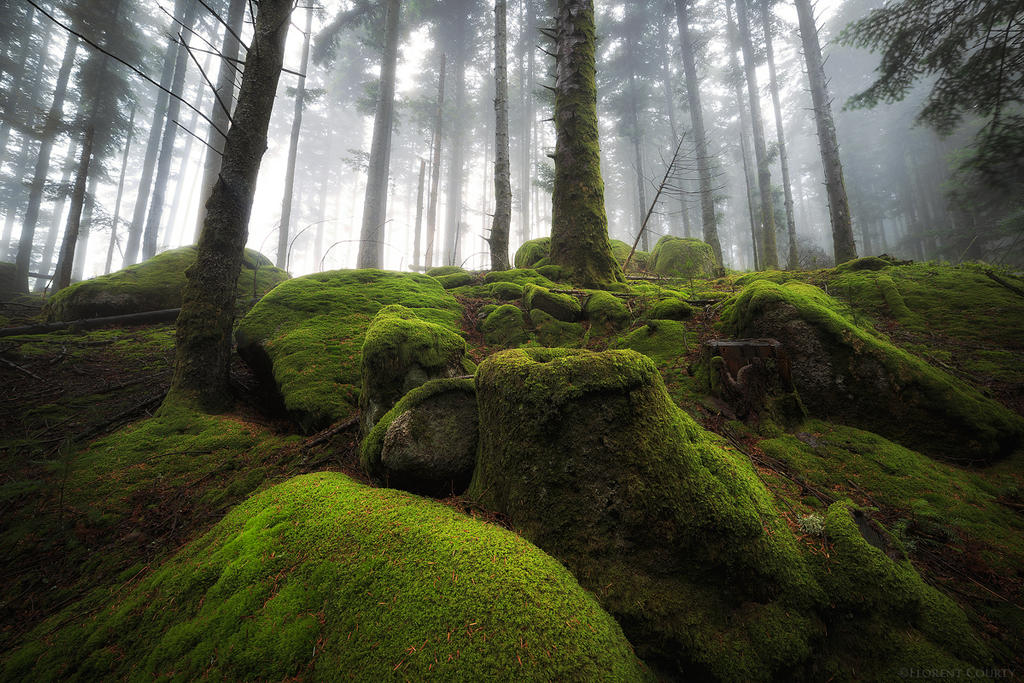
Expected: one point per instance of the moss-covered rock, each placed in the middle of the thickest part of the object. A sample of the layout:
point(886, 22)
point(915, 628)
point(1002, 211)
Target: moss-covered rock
point(662, 341)
point(306, 337)
point(504, 327)
point(866, 263)
point(402, 351)
point(606, 310)
point(532, 252)
point(519, 276)
point(846, 372)
point(506, 291)
point(427, 442)
point(553, 332)
point(641, 261)
point(671, 308)
point(553, 272)
point(153, 285)
point(683, 257)
point(440, 271)
point(564, 307)
point(453, 280)
point(321, 578)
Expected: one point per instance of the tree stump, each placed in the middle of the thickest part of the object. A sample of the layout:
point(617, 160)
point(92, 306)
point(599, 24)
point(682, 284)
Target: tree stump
point(754, 377)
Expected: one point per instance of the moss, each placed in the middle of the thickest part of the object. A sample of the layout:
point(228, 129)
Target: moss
point(553, 272)
point(640, 262)
point(564, 307)
point(440, 271)
point(531, 252)
point(306, 337)
point(660, 340)
point(591, 460)
point(850, 373)
point(453, 280)
point(504, 327)
point(521, 277)
point(672, 308)
point(153, 285)
point(606, 310)
point(371, 447)
point(400, 352)
point(683, 257)
point(866, 263)
point(506, 291)
point(320, 577)
point(553, 332)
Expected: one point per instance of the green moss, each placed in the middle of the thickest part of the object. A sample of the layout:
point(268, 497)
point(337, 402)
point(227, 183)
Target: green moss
point(672, 308)
point(853, 374)
point(866, 263)
point(320, 577)
point(663, 341)
point(531, 252)
point(640, 262)
point(504, 327)
point(445, 270)
point(153, 285)
point(553, 272)
point(506, 291)
point(553, 332)
point(521, 277)
point(306, 337)
point(564, 307)
point(453, 280)
point(606, 310)
point(683, 257)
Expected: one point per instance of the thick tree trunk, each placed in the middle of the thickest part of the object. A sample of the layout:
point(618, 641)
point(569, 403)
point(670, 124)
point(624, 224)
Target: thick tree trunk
point(371, 237)
point(284, 229)
point(62, 276)
point(50, 244)
point(435, 168)
point(769, 252)
point(418, 239)
point(53, 121)
point(120, 193)
point(773, 80)
point(163, 167)
point(700, 140)
point(498, 240)
point(203, 349)
point(223, 103)
point(135, 231)
point(579, 224)
point(843, 244)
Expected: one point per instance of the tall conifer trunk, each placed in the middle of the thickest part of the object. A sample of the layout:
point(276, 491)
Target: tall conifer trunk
point(498, 239)
point(435, 167)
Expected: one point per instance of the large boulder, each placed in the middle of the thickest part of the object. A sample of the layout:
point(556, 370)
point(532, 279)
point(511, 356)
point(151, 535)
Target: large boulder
point(848, 373)
point(321, 578)
point(427, 443)
point(305, 338)
point(153, 285)
point(588, 457)
point(683, 257)
point(402, 351)
point(564, 307)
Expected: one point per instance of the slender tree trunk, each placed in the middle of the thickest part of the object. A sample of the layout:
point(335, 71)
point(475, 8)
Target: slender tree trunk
point(526, 172)
point(223, 103)
point(135, 231)
point(839, 209)
point(203, 349)
point(769, 251)
point(85, 229)
point(773, 80)
point(707, 200)
point(13, 197)
point(120, 193)
point(636, 138)
point(183, 177)
point(163, 167)
point(418, 243)
point(14, 94)
point(579, 224)
point(670, 111)
point(435, 168)
point(50, 244)
point(293, 149)
point(50, 128)
point(62, 277)
point(371, 238)
point(456, 165)
point(498, 240)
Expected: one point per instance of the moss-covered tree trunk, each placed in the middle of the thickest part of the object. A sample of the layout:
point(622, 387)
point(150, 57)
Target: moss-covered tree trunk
point(579, 224)
point(203, 354)
point(498, 239)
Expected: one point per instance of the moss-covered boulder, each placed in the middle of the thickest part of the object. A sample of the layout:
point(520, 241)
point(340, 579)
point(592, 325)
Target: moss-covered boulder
point(866, 263)
point(564, 307)
point(427, 442)
point(441, 271)
point(641, 261)
point(531, 252)
point(153, 285)
point(845, 371)
point(506, 291)
point(306, 337)
point(606, 310)
point(551, 331)
point(504, 327)
point(683, 257)
point(320, 578)
point(401, 351)
point(456, 279)
point(670, 308)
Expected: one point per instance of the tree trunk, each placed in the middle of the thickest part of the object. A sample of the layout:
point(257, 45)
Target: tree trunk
point(700, 140)
point(498, 240)
point(579, 224)
point(683, 221)
point(418, 239)
point(203, 348)
point(85, 229)
point(62, 276)
point(50, 128)
point(769, 252)
point(131, 250)
point(456, 165)
point(839, 209)
point(163, 167)
point(783, 154)
point(15, 190)
point(435, 169)
point(50, 244)
point(636, 138)
point(526, 177)
point(371, 237)
point(223, 103)
point(284, 230)
point(14, 96)
point(120, 193)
